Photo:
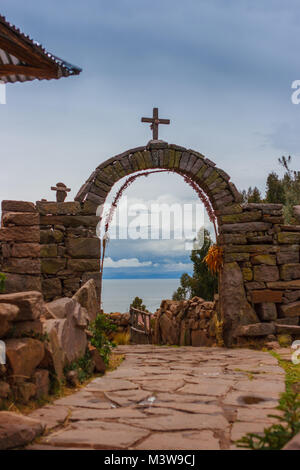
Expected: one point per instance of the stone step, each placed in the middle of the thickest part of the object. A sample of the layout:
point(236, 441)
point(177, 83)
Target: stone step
point(288, 329)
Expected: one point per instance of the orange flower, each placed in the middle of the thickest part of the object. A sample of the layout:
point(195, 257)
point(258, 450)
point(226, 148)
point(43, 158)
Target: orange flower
point(214, 258)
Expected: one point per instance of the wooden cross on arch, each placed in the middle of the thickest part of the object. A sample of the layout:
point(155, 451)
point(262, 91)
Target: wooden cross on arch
point(155, 121)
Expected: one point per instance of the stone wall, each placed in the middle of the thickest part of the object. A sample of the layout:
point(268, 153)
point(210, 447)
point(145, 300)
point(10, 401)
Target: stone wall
point(48, 246)
point(41, 338)
point(185, 323)
point(260, 282)
point(53, 247)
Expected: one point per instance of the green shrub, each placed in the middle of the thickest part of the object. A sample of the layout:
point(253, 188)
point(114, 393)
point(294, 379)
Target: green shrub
point(138, 304)
point(83, 366)
point(100, 329)
point(2, 282)
point(278, 435)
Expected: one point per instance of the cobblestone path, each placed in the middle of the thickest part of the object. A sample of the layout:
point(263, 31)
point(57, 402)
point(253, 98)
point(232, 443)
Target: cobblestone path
point(168, 398)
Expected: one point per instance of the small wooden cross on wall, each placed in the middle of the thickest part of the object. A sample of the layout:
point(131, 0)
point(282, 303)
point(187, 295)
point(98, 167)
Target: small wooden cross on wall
point(61, 191)
point(155, 121)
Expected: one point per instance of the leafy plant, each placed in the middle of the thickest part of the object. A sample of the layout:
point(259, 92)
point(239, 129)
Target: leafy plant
point(203, 283)
point(276, 436)
point(122, 338)
point(100, 329)
point(138, 304)
point(218, 330)
point(2, 282)
point(83, 366)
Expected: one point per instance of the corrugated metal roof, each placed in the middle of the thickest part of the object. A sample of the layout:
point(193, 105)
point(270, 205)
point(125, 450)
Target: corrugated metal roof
point(28, 57)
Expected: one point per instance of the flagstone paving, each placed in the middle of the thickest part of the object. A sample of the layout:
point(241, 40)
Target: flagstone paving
point(168, 398)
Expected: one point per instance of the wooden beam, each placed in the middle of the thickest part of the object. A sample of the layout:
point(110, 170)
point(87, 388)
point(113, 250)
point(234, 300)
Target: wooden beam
point(26, 43)
point(6, 70)
point(25, 55)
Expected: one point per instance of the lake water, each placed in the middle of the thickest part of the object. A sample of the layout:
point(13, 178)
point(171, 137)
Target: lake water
point(119, 293)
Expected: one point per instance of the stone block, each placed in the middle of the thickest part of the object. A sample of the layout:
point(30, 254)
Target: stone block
point(262, 206)
point(267, 259)
point(260, 239)
point(61, 308)
point(52, 265)
point(17, 430)
point(287, 329)
point(82, 265)
point(288, 237)
point(18, 206)
point(54, 358)
point(70, 286)
point(287, 257)
point(24, 391)
point(21, 266)
point(20, 218)
point(245, 227)
point(267, 311)
point(256, 329)
point(22, 283)
point(42, 383)
point(72, 340)
point(31, 304)
point(4, 389)
point(232, 238)
point(58, 208)
point(48, 251)
point(87, 298)
point(288, 321)
point(24, 355)
point(273, 219)
point(233, 209)
point(248, 216)
point(24, 250)
point(51, 288)
point(290, 271)
point(290, 310)
point(27, 328)
point(199, 338)
point(235, 306)
point(266, 273)
point(253, 285)
point(8, 313)
point(18, 234)
point(291, 296)
point(231, 257)
point(83, 247)
point(88, 208)
point(223, 201)
point(70, 220)
point(253, 249)
point(51, 236)
point(247, 274)
point(293, 285)
point(266, 295)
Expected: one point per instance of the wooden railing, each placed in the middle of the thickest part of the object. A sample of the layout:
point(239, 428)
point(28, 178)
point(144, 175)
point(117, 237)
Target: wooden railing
point(140, 325)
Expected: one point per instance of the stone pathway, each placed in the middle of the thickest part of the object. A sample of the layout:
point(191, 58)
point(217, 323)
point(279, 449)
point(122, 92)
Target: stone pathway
point(168, 398)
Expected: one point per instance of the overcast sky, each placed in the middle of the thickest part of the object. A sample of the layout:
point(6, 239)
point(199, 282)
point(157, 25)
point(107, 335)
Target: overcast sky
point(220, 70)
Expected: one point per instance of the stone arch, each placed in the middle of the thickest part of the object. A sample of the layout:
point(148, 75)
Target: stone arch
point(223, 196)
point(222, 193)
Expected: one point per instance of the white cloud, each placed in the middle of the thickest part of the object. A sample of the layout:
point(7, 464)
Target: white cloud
point(178, 267)
point(126, 263)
